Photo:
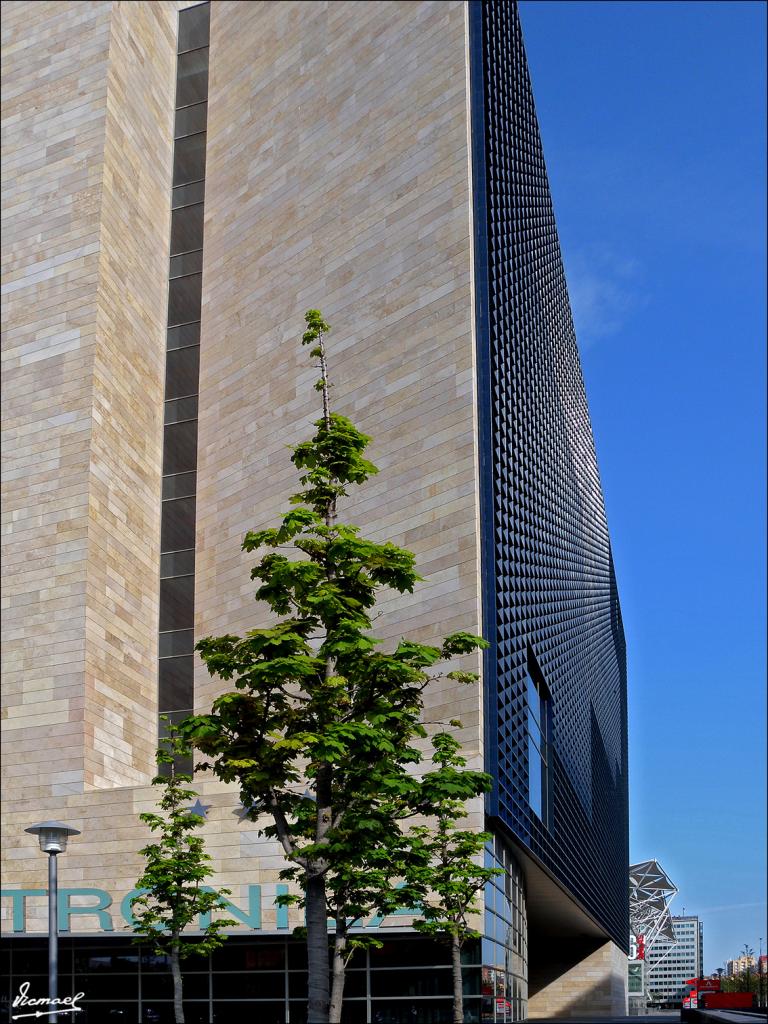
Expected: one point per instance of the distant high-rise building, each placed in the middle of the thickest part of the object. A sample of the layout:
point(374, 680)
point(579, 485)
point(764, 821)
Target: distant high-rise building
point(181, 183)
point(670, 964)
point(742, 964)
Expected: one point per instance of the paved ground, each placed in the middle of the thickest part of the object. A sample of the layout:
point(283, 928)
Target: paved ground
point(727, 1017)
point(737, 1016)
point(659, 1018)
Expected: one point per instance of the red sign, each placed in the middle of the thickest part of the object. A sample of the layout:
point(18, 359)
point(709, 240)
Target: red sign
point(728, 1000)
point(641, 947)
point(703, 984)
point(503, 1010)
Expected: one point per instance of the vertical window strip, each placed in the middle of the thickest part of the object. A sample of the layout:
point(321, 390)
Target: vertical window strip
point(178, 515)
point(539, 728)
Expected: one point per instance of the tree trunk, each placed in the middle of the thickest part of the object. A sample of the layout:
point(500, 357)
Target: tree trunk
point(317, 949)
point(339, 968)
point(178, 1006)
point(458, 988)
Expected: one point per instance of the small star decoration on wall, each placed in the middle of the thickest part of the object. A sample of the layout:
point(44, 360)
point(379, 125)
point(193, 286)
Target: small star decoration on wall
point(199, 808)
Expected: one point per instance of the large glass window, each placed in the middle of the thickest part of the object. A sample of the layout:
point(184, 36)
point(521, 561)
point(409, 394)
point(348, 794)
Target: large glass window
point(180, 451)
point(194, 27)
point(182, 370)
point(191, 120)
point(192, 77)
point(504, 948)
point(184, 301)
point(252, 978)
point(189, 159)
point(539, 774)
point(187, 229)
point(186, 263)
point(177, 603)
point(635, 978)
point(183, 336)
point(176, 683)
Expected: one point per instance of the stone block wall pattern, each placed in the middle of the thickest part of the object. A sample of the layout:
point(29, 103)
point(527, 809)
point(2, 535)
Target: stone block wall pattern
point(578, 981)
point(340, 193)
point(359, 203)
point(87, 118)
point(54, 120)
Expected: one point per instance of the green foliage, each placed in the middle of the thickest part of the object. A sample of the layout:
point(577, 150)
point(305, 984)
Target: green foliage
point(176, 867)
point(316, 700)
point(444, 872)
point(746, 982)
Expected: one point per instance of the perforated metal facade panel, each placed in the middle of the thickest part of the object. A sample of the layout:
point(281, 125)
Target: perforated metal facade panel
point(550, 589)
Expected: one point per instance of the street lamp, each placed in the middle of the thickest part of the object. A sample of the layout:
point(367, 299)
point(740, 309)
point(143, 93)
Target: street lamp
point(53, 836)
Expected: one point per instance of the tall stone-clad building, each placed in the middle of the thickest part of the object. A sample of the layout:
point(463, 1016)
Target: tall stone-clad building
point(180, 184)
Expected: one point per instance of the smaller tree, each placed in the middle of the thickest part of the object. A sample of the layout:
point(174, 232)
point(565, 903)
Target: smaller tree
point(748, 956)
point(176, 868)
point(444, 872)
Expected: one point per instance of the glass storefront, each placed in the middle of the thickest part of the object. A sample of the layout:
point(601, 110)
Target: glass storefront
point(264, 980)
point(407, 981)
point(504, 947)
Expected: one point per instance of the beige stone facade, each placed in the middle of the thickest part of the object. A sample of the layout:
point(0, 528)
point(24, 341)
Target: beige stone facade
point(580, 980)
point(306, 218)
point(302, 217)
point(86, 195)
point(87, 112)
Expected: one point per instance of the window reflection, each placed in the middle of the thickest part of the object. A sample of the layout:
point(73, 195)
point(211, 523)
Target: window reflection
point(192, 77)
point(180, 447)
point(187, 229)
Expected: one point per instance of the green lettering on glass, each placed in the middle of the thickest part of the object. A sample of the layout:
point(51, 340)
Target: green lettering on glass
point(251, 917)
point(104, 901)
point(19, 897)
point(126, 905)
point(281, 919)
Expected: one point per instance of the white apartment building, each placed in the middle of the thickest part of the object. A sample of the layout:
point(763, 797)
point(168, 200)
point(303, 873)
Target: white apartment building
point(740, 965)
point(670, 964)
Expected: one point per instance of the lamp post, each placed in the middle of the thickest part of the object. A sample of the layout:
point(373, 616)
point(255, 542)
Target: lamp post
point(53, 836)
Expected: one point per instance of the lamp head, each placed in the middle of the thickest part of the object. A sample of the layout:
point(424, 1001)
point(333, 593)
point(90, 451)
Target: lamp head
point(53, 835)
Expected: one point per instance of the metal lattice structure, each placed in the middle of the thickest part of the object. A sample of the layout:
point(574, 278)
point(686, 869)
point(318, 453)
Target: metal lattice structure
point(650, 893)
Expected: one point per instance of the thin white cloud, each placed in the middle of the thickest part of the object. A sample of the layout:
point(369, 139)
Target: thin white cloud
point(605, 288)
point(730, 906)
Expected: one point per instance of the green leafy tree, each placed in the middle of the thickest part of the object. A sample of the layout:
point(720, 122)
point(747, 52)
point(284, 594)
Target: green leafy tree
point(447, 873)
point(176, 868)
point(368, 861)
point(367, 857)
point(744, 982)
point(316, 702)
point(748, 953)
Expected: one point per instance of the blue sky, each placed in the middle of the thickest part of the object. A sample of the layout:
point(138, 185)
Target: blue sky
point(653, 121)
